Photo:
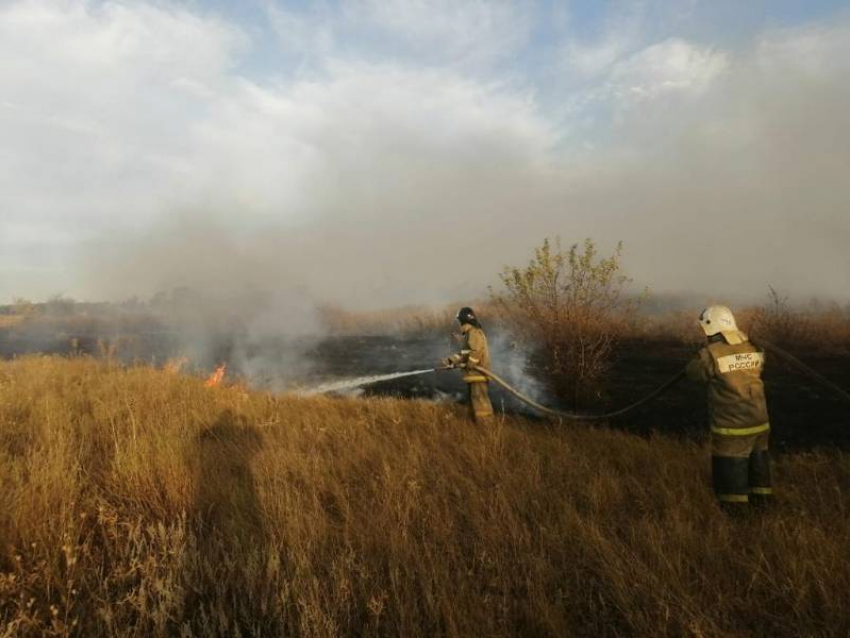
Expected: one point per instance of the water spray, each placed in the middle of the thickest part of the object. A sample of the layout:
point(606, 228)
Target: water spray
point(356, 382)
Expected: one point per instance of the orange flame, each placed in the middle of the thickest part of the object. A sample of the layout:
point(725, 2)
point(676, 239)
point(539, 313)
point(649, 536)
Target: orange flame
point(216, 377)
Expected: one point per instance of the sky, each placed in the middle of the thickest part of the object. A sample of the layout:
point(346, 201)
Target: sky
point(374, 153)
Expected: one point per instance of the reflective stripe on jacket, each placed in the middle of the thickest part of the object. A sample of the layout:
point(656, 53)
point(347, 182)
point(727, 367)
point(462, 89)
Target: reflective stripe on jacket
point(474, 352)
point(736, 400)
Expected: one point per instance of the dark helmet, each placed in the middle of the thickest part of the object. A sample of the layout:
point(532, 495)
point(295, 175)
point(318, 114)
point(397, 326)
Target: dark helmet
point(467, 315)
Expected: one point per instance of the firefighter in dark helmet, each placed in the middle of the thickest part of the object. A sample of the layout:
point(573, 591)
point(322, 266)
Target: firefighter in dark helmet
point(731, 367)
point(474, 353)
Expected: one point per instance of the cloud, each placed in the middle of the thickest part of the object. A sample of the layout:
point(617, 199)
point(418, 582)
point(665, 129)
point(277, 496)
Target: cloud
point(470, 34)
point(98, 100)
point(151, 172)
point(593, 60)
point(307, 36)
point(140, 152)
point(376, 160)
point(671, 66)
point(477, 29)
point(819, 50)
point(100, 96)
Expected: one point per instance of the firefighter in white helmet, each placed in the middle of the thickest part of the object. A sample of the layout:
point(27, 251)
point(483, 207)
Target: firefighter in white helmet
point(731, 367)
point(474, 353)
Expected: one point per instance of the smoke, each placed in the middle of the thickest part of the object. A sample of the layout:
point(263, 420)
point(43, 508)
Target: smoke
point(143, 152)
point(512, 362)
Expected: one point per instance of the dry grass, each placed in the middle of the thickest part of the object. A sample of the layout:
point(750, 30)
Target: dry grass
point(824, 328)
point(138, 503)
point(89, 324)
point(9, 321)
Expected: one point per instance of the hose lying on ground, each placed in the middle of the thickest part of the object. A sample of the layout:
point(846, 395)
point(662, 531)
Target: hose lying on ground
point(583, 417)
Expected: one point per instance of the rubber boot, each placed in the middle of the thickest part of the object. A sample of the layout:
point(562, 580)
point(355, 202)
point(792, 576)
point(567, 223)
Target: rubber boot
point(731, 483)
point(761, 486)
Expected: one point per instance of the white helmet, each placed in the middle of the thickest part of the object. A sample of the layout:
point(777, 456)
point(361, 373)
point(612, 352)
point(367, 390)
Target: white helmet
point(720, 320)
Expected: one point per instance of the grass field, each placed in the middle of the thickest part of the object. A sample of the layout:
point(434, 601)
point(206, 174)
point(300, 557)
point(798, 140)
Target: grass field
point(139, 503)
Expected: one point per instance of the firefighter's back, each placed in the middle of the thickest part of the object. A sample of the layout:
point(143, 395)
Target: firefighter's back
point(736, 390)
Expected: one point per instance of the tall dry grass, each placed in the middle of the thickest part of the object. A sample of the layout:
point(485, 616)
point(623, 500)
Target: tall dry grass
point(822, 327)
point(83, 324)
point(139, 503)
point(816, 328)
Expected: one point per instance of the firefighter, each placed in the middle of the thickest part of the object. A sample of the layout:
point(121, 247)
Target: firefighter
point(474, 353)
point(731, 367)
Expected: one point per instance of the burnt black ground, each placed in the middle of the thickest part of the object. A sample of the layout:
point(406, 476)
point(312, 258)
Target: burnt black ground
point(803, 414)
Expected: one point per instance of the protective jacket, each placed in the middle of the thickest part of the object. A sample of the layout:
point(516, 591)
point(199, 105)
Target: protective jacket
point(474, 352)
point(736, 400)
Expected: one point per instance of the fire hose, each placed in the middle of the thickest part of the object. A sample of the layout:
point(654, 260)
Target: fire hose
point(802, 367)
point(787, 356)
point(582, 417)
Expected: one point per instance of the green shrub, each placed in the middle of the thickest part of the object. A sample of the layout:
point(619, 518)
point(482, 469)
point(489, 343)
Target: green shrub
point(568, 306)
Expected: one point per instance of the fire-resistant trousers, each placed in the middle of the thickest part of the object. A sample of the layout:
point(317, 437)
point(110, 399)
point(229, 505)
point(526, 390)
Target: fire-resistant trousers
point(740, 468)
point(480, 408)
